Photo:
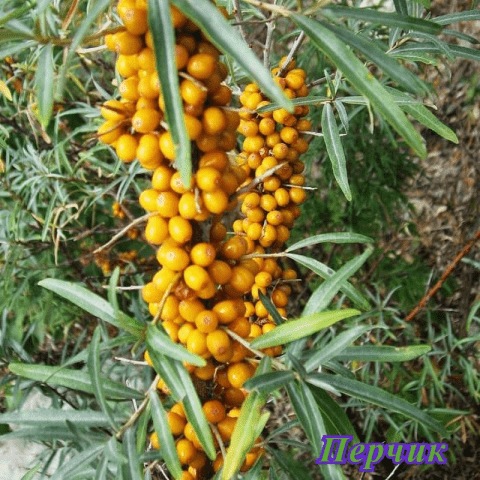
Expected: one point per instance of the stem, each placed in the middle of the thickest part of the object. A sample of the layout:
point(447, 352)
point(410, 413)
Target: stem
point(292, 52)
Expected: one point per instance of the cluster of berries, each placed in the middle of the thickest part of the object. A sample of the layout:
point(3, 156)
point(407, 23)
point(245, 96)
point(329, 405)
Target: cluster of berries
point(206, 291)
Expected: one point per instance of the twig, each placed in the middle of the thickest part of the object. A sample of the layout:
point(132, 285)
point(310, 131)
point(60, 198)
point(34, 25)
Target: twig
point(172, 284)
point(446, 273)
point(239, 17)
point(268, 43)
point(133, 362)
point(292, 52)
point(122, 232)
point(219, 440)
point(131, 287)
point(139, 411)
point(268, 6)
point(258, 180)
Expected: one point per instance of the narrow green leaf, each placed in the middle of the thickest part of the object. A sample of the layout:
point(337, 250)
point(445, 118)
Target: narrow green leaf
point(80, 33)
point(228, 40)
point(303, 327)
point(161, 342)
point(74, 379)
point(48, 433)
point(467, 15)
point(294, 469)
point(269, 382)
point(135, 469)
point(102, 468)
point(194, 412)
point(363, 81)
point(389, 65)
point(271, 308)
point(391, 19)
point(94, 369)
point(160, 22)
point(165, 367)
point(377, 396)
point(249, 425)
point(31, 473)
point(420, 48)
point(383, 353)
point(84, 418)
point(427, 118)
point(81, 459)
point(324, 294)
point(333, 142)
point(326, 272)
point(336, 420)
point(336, 237)
point(165, 437)
point(312, 100)
point(93, 304)
point(44, 82)
point(114, 452)
point(317, 357)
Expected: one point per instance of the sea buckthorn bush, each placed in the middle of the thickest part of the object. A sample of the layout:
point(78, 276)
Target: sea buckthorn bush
point(184, 199)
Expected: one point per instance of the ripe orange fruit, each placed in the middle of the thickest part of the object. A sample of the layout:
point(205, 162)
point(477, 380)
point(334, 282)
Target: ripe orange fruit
point(214, 411)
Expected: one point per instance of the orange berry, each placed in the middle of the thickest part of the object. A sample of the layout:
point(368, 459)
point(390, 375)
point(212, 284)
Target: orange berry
point(190, 308)
point(156, 230)
point(214, 411)
point(180, 229)
point(214, 120)
point(225, 428)
point(208, 178)
point(201, 65)
point(297, 195)
point(205, 373)
point(279, 298)
point(176, 423)
point(192, 93)
point(234, 248)
point(148, 199)
point(181, 56)
point(229, 310)
point(148, 151)
point(163, 278)
point(240, 326)
point(194, 126)
point(167, 146)
point(178, 18)
point(129, 89)
point(161, 178)
point(206, 321)
point(197, 342)
point(126, 43)
point(167, 204)
point(217, 159)
point(185, 450)
point(242, 279)
point(151, 294)
point(238, 374)
point(184, 332)
point(218, 342)
point(253, 144)
point(203, 254)
point(220, 272)
point(196, 277)
point(124, 66)
point(109, 131)
point(173, 258)
point(126, 147)
point(215, 201)
point(177, 185)
point(154, 441)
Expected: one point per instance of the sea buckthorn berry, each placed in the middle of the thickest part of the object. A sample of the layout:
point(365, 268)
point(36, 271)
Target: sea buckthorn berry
point(251, 88)
point(260, 310)
point(178, 18)
point(146, 60)
point(252, 200)
point(275, 217)
point(254, 231)
point(145, 120)
point(124, 66)
point(300, 145)
point(177, 185)
point(163, 278)
point(266, 126)
point(147, 86)
point(115, 110)
point(187, 205)
point(188, 41)
point(201, 66)
point(109, 131)
point(280, 115)
point(172, 329)
point(218, 343)
point(189, 309)
point(248, 128)
point(239, 352)
point(220, 272)
point(252, 101)
point(226, 427)
point(234, 248)
point(161, 178)
point(263, 279)
point(216, 159)
point(297, 179)
point(196, 277)
point(297, 195)
point(205, 373)
point(221, 377)
point(197, 342)
point(212, 83)
point(167, 204)
point(289, 135)
point(242, 279)
point(181, 56)
point(280, 151)
point(185, 450)
point(255, 330)
point(215, 201)
point(207, 143)
point(221, 97)
point(148, 151)
point(206, 321)
point(144, 102)
point(238, 374)
point(229, 182)
point(184, 332)
point(178, 409)
point(240, 326)
point(214, 411)
point(283, 233)
point(126, 43)
point(148, 199)
point(229, 310)
point(187, 476)
point(303, 125)
point(192, 93)
point(253, 144)
point(198, 461)
point(272, 183)
point(254, 160)
point(268, 202)
point(203, 254)
point(194, 126)
point(218, 232)
point(218, 463)
point(170, 309)
point(129, 89)
point(154, 441)
point(126, 147)
point(208, 178)
point(167, 146)
point(173, 258)
point(272, 139)
point(151, 294)
point(279, 298)
point(180, 229)
point(256, 215)
point(214, 120)
point(156, 230)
